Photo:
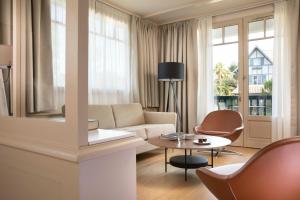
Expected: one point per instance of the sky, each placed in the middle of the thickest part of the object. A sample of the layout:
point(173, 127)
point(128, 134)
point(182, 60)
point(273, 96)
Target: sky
point(228, 53)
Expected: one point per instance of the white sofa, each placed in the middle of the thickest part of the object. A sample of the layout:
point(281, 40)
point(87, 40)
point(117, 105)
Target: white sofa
point(131, 117)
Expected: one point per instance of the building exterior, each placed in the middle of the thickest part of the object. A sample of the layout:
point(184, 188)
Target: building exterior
point(260, 68)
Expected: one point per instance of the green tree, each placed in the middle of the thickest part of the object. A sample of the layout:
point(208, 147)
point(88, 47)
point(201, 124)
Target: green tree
point(225, 79)
point(235, 70)
point(267, 89)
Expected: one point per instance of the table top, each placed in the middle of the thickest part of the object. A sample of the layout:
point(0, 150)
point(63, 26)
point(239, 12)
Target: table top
point(215, 142)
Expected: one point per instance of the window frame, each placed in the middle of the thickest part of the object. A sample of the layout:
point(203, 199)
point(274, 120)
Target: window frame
point(246, 40)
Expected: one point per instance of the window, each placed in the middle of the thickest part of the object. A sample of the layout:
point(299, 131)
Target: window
point(254, 80)
point(260, 48)
point(109, 53)
point(58, 35)
point(257, 62)
point(225, 65)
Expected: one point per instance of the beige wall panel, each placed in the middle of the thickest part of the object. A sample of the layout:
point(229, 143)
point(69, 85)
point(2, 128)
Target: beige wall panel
point(29, 176)
point(260, 129)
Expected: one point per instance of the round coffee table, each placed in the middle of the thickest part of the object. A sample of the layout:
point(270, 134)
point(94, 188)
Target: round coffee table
point(189, 161)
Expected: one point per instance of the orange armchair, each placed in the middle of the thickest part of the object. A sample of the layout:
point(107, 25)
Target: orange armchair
point(272, 173)
point(224, 123)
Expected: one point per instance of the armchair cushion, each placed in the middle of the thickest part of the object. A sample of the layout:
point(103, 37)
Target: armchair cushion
point(227, 169)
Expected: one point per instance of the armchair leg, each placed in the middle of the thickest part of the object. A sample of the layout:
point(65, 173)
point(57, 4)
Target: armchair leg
point(227, 151)
point(218, 152)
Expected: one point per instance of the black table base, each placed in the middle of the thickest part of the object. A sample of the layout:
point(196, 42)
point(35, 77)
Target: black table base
point(187, 161)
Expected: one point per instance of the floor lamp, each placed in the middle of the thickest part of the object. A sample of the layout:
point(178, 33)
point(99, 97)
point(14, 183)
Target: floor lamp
point(172, 72)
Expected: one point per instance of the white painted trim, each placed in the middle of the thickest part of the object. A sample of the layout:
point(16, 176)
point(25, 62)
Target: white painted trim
point(118, 8)
point(224, 12)
point(53, 136)
point(16, 86)
point(244, 13)
point(248, 140)
point(94, 151)
point(171, 9)
point(77, 69)
point(84, 153)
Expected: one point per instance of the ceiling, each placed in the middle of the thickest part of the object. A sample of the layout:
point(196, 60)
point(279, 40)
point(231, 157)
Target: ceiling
point(166, 11)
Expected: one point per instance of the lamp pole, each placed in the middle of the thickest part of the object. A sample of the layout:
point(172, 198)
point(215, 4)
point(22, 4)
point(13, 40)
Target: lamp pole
point(172, 84)
point(172, 72)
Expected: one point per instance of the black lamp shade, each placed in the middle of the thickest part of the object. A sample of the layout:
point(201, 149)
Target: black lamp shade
point(170, 71)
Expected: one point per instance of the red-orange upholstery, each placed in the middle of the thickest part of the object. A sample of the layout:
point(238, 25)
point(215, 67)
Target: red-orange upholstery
point(272, 173)
point(224, 123)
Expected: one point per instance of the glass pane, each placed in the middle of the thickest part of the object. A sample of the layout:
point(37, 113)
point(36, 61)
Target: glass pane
point(231, 34)
point(256, 30)
point(6, 43)
point(46, 66)
point(217, 35)
point(269, 27)
point(225, 63)
point(260, 77)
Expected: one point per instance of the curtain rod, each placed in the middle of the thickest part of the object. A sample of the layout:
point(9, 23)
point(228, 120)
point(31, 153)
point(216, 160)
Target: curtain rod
point(125, 11)
point(119, 9)
point(231, 11)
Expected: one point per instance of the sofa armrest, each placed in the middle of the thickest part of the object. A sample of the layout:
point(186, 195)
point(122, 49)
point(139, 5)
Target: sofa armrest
point(160, 117)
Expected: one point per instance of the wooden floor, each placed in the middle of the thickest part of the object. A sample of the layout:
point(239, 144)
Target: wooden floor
point(154, 184)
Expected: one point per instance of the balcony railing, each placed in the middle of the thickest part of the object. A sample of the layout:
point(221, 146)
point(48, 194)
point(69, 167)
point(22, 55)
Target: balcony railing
point(259, 105)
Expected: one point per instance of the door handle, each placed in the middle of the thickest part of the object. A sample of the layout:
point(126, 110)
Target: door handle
point(239, 97)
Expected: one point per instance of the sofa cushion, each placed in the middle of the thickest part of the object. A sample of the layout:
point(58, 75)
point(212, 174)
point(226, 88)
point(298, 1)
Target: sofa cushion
point(104, 114)
point(153, 130)
point(128, 114)
point(139, 130)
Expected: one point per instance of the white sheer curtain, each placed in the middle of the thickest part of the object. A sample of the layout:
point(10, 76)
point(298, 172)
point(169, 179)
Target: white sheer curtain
point(58, 31)
point(205, 98)
point(110, 72)
point(3, 103)
point(284, 102)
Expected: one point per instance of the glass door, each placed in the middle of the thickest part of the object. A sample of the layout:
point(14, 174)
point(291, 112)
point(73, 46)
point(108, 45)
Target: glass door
point(227, 48)
point(259, 64)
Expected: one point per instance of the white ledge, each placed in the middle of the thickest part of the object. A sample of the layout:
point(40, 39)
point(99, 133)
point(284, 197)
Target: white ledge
point(94, 151)
point(81, 154)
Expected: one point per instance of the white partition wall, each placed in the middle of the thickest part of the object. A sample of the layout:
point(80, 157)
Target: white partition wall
point(44, 135)
point(52, 160)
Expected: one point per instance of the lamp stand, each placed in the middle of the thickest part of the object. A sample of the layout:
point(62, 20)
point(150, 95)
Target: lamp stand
point(172, 84)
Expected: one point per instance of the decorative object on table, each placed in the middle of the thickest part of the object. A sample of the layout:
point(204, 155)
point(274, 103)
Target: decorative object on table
point(202, 141)
point(172, 72)
point(272, 173)
point(189, 136)
point(224, 123)
point(174, 136)
point(93, 124)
